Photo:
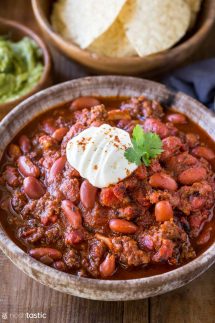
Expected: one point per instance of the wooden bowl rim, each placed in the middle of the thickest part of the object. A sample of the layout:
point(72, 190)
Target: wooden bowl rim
point(46, 58)
point(88, 287)
point(197, 36)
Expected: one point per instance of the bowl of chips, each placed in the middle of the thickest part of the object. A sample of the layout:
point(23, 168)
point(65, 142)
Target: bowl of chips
point(126, 36)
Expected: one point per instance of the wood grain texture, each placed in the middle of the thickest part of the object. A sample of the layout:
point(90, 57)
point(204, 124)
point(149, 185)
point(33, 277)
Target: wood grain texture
point(192, 303)
point(19, 294)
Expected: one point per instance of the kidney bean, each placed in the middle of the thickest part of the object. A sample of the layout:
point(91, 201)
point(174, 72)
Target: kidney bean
point(155, 125)
point(164, 181)
point(204, 152)
point(163, 211)
point(33, 188)
point(88, 194)
point(59, 265)
point(119, 115)
point(204, 236)
point(60, 133)
point(24, 144)
point(84, 102)
point(46, 260)
point(48, 126)
point(106, 240)
point(27, 168)
point(122, 226)
point(108, 266)
point(184, 159)
point(72, 214)
point(170, 146)
point(57, 167)
point(14, 151)
point(192, 175)
point(176, 118)
point(38, 253)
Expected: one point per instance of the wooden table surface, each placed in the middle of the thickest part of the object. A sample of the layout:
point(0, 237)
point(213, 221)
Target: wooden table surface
point(19, 294)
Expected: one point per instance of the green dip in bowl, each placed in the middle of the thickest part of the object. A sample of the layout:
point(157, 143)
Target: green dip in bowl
point(21, 67)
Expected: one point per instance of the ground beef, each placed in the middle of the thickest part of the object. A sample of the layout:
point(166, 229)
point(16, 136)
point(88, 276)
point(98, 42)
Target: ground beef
point(96, 220)
point(96, 253)
point(46, 209)
point(53, 233)
point(31, 235)
point(143, 108)
point(18, 201)
point(165, 241)
point(98, 113)
point(197, 221)
point(72, 259)
point(196, 197)
point(129, 212)
point(12, 177)
point(71, 189)
point(128, 253)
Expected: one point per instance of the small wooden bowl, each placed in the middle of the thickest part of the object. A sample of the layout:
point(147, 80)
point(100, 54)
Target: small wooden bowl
point(149, 65)
point(17, 31)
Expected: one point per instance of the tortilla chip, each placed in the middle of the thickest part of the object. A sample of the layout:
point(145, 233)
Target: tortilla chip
point(195, 6)
point(113, 43)
point(154, 25)
point(82, 21)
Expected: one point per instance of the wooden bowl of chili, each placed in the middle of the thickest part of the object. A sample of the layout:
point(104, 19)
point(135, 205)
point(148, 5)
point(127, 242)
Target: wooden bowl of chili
point(106, 87)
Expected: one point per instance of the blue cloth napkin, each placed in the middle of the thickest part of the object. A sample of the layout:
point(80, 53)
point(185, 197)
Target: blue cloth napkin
point(196, 80)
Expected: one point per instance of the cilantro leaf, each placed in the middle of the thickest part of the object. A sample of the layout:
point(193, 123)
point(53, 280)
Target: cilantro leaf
point(138, 135)
point(146, 146)
point(132, 156)
point(146, 159)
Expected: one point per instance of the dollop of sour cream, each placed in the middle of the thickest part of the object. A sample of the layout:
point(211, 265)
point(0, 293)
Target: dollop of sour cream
point(97, 153)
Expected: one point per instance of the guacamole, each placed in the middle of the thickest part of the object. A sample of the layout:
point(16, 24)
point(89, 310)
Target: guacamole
point(21, 67)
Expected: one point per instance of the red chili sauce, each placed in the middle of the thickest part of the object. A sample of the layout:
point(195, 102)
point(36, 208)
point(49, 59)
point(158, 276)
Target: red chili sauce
point(60, 219)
